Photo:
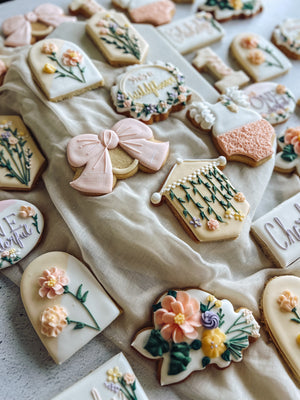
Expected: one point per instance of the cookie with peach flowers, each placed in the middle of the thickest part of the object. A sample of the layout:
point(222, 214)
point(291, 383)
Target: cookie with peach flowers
point(287, 160)
point(62, 70)
point(192, 330)
point(286, 36)
point(259, 57)
point(281, 313)
point(65, 303)
point(204, 201)
point(224, 10)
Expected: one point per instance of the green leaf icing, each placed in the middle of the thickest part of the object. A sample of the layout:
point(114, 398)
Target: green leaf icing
point(172, 293)
point(179, 358)
point(196, 344)
point(156, 344)
point(205, 361)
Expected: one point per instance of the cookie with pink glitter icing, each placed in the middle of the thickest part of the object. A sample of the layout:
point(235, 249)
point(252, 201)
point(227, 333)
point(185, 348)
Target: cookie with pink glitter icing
point(239, 133)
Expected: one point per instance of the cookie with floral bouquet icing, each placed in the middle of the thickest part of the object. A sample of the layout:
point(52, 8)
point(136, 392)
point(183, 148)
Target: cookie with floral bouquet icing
point(192, 330)
point(240, 134)
point(150, 92)
point(21, 227)
point(225, 10)
point(114, 379)
point(62, 70)
point(116, 153)
point(21, 162)
point(65, 303)
point(288, 159)
point(117, 39)
point(274, 102)
point(286, 37)
point(87, 8)
point(203, 200)
point(259, 57)
point(281, 314)
point(154, 12)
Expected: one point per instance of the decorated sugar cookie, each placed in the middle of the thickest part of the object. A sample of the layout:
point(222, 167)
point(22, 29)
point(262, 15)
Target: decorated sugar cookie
point(259, 57)
point(21, 162)
point(87, 8)
point(224, 10)
point(154, 12)
point(114, 379)
point(286, 37)
point(206, 204)
point(150, 92)
point(22, 30)
point(192, 330)
point(207, 60)
point(62, 70)
point(21, 227)
point(281, 312)
point(117, 39)
point(115, 153)
point(3, 70)
point(278, 232)
point(192, 32)
point(288, 159)
point(240, 134)
point(65, 303)
point(274, 102)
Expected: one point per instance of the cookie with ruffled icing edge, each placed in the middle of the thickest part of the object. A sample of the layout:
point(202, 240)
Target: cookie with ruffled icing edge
point(226, 10)
point(287, 160)
point(286, 37)
point(186, 322)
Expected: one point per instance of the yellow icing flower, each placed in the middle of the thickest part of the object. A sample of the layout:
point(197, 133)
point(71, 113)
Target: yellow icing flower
point(210, 298)
point(49, 68)
point(213, 342)
point(113, 374)
point(239, 217)
point(236, 4)
point(218, 303)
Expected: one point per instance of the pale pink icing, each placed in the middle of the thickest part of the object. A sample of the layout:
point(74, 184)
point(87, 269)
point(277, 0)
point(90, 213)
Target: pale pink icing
point(52, 282)
point(6, 203)
point(212, 224)
point(53, 321)
point(178, 318)
point(287, 301)
point(26, 212)
point(253, 140)
point(157, 13)
point(292, 136)
point(92, 151)
point(71, 58)
point(3, 68)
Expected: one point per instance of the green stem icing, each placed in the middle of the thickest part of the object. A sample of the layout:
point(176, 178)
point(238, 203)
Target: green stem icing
point(35, 223)
point(68, 73)
point(205, 198)
point(277, 64)
point(294, 310)
point(233, 325)
point(9, 260)
point(125, 391)
point(180, 201)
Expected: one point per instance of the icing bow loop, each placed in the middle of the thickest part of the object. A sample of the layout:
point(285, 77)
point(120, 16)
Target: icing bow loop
point(92, 151)
point(18, 29)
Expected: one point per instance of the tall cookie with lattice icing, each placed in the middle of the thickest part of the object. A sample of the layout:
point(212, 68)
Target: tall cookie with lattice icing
point(286, 37)
point(288, 159)
point(281, 313)
point(203, 200)
point(240, 134)
point(225, 10)
point(192, 330)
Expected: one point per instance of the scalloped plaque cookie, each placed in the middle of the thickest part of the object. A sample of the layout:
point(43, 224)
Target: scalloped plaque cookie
point(224, 10)
point(21, 162)
point(286, 37)
point(278, 232)
point(240, 134)
point(274, 102)
point(62, 69)
point(87, 8)
point(259, 57)
point(115, 379)
point(21, 227)
point(117, 39)
point(288, 159)
point(204, 201)
point(65, 303)
point(281, 312)
point(192, 330)
point(150, 92)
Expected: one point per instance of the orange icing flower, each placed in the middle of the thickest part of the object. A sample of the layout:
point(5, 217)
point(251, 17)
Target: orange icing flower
point(236, 4)
point(240, 197)
point(12, 140)
point(71, 58)
point(52, 282)
point(53, 320)
point(256, 57)
point(102, 23)
point(103, 31)
point(182, 98)
point(179, 317)
point(212, 224)
point(249, 42)
point(287, 301)
point(26, 211)
point(280, 89)
point(49, 68)
point(129, 378)
point(49, 48)
point(292, 136)
point(213, 342)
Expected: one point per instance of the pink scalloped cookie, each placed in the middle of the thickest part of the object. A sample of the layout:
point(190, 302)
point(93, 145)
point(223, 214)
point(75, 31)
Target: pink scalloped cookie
point(239, 133)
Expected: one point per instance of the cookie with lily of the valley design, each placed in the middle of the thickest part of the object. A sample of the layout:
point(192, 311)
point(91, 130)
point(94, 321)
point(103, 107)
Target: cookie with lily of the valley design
point(192, 330)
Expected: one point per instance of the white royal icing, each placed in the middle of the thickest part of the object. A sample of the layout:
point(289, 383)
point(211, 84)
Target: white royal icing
point(227, 13)
point(200, 112)
point(287, 34)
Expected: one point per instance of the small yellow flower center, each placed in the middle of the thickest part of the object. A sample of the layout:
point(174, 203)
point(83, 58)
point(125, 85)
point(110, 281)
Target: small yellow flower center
point(12, 251)
point(51, 282)
point(72, 54)
point(179, 319)
point(298, 138)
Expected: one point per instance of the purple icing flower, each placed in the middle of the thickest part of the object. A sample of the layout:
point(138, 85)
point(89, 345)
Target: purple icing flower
point(196, 222)
point(120, 96)
point(5, 135)
point(180, 78)
point(112, 25)
point(209, 320)
point(151, 108)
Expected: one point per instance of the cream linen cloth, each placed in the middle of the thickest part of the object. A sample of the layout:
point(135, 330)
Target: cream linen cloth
point(138, 251)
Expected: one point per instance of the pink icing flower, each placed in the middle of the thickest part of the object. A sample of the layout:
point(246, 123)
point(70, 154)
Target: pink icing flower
point(292, 136)
point(178, 317)
point(208, 15)
point(212, 224)
point(182, 89)
point(256, 57)
point(264, 115)
point(181, 98)
point(240, 197)
point(249, 42)
point(12, 140)
point(280, 89)
point(129, 378)
point(103, 31)
point(5, 253)
point(102, 23)
point(280, 111)
point(71, 58)
point(3, 68)
point(127, 103)
point(26, 211)
point(53, 321)
point(120, 31)
point(287, 301)
point(52, 282)
point(49, 48)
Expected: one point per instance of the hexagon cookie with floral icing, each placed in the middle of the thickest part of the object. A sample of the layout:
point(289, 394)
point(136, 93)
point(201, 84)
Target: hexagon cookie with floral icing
point(192, 329)
point(204, 201)
point(288, 159)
